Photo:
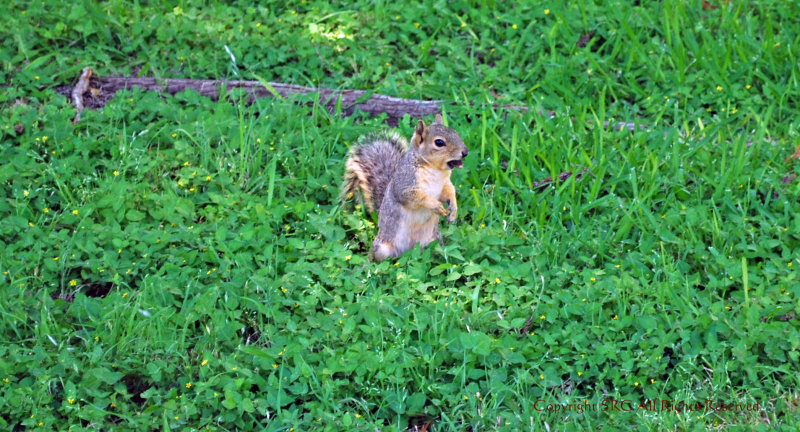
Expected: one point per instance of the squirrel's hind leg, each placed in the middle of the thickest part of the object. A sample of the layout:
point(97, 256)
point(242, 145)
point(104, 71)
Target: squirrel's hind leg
point(437, 235)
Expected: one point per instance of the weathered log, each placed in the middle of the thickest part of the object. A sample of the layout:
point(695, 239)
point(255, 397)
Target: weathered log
point(349, 100)
point(561, 179)
point(368, 102)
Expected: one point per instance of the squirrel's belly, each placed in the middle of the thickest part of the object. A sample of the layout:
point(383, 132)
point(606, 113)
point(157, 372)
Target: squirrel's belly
point(417, 226)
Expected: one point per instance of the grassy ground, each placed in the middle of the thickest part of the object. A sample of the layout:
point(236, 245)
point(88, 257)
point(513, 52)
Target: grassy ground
point(178, 263)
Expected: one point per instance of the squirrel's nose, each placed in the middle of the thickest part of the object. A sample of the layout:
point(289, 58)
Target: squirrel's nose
point(464, 152)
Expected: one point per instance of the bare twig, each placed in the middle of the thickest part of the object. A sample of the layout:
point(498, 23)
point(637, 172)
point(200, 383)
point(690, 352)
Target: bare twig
point(527, 327)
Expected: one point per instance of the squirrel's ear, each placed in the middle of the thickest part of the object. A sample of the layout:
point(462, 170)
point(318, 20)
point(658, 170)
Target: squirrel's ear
point(438, 119)
point(420, 127)
point(416, 140)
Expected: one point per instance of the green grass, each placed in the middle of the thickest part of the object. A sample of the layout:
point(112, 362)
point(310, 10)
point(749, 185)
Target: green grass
point(172, 262)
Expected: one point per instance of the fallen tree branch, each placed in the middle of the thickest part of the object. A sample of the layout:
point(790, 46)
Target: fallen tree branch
point(561, 178)
point(365, 101)
point(372, 104)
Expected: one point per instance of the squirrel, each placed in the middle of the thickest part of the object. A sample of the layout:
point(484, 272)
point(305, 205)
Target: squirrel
point(406, 186)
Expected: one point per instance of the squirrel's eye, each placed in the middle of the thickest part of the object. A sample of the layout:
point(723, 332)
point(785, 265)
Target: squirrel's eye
point(439, 142)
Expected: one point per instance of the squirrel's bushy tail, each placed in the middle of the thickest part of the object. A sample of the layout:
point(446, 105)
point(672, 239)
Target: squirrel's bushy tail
point(370, 165)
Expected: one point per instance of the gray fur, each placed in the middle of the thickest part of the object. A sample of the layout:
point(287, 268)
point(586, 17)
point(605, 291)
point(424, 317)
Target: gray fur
point(378, 155)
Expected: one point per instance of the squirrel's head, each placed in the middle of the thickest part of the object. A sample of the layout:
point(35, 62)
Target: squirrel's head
point(441, 146)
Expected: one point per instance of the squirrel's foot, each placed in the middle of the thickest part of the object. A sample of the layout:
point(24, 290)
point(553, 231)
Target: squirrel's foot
point(382, 250)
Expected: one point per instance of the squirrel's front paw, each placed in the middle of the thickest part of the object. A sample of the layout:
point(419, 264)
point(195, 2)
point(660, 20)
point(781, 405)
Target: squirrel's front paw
point(451, 206)
point(452, 217)
point(442, 211)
